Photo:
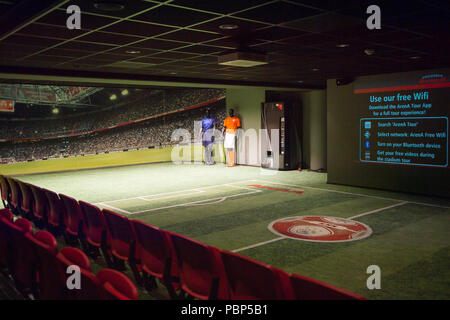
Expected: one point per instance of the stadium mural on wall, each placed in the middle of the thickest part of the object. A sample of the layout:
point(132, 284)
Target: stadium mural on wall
point(199, 105)
point(320, 229)
point(28, 93)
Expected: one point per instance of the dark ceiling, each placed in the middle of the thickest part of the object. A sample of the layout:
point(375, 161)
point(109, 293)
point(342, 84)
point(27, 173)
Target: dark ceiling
point(181, 39)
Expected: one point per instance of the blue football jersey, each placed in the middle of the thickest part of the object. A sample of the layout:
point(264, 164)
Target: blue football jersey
point(208, 123)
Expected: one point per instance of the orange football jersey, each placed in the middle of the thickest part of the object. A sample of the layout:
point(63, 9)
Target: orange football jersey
point(231, 124)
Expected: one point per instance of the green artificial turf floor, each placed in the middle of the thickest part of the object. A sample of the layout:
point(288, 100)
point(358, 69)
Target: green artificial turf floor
point(222, 207)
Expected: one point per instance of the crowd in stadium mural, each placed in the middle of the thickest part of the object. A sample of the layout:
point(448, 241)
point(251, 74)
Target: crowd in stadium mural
point(153, 132)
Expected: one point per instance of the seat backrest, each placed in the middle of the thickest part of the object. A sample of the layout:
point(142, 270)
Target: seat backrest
point(94, 223)
point(7, 214)
point(12, 235)
point(117, 285)
point(121, 234)
point(55, 208)
point(154, 250)
point(40, 203)
point(22, 259)
point(15, 192)
point(199, 266)
point(4, 188)
point(76, 257)
point(73, 215)
point(26, 201)
point(4, 237)
point(45, 246)
point(305, 288)
point(89, 285)
point(249, 279)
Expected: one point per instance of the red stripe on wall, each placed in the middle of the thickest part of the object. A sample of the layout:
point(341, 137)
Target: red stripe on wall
point(400, 88)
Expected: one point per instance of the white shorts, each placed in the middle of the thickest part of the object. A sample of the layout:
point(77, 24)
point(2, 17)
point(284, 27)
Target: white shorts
point(229, 140)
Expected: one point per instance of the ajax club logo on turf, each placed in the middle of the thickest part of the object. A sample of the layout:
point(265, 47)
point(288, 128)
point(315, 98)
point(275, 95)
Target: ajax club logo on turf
point(320, 229)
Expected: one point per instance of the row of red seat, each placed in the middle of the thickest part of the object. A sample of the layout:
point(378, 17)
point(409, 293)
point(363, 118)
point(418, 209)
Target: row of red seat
point(185, 266)
point(37, 268)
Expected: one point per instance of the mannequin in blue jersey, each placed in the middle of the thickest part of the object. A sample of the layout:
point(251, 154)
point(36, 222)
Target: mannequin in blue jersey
point(208, 127)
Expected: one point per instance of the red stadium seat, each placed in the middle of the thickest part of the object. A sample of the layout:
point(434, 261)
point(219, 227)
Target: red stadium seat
point(94, 229)
point(117, 285)
point(89, 285)
point(309, 289)
point(201, 270)
point(55, 213)
point(40, 206)
point(15, 196)
point(157, 257)
point(249, 279)
point(49, 283)
point(22, 262)
point(26, 200)
point(122, 240)
point(4, 191)
point(6, 215)
point(72, 219)
point(12, 238)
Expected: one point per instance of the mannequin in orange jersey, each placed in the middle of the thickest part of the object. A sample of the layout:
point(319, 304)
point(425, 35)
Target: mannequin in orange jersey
point(230, 126)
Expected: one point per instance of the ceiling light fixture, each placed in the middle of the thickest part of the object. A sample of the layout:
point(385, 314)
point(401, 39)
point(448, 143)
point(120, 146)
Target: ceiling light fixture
point(229, 26)
point(125, 92)
point(113, 97)
point(315, 69)
point(242, 59)
point(415, 57)
point(369, 52)
point(55, 110)
point(132, 51)
point(342, 45)
point(108, 5)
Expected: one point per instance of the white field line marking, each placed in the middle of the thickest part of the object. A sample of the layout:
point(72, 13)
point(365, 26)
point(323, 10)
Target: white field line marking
point(351, 218)
point(172, 196)
point(206, 203)
point(378, 210)
point(180, 191)
point(196, 202)
point(149, 195)
point(241, 187)
point(355, 194)
point(114, 208)
point(258, 244)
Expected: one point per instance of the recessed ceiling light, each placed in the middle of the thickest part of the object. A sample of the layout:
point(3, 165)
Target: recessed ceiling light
point(415, 57)
point(113, 97)
point(55, 110)
point(132, 51)
point(125, 92)
point(109, 5)
point(315, 69)
point(342, 45)
point(228, 26)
